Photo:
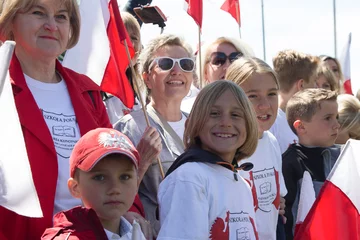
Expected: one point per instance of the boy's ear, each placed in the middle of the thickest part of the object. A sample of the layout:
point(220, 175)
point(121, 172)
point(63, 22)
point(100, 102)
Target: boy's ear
point(145, 77)
point(73, 186)
point(300, 84)
point(299, 126)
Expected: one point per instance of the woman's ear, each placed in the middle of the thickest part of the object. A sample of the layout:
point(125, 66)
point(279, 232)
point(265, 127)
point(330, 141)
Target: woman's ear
point(300, 84)
point(145, 77)
point(73, 186)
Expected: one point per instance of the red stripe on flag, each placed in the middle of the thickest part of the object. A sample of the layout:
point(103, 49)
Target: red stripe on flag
point(232, 7)
point(195, 10)
point(332, 217)
point(115, 80)
point(347, 86)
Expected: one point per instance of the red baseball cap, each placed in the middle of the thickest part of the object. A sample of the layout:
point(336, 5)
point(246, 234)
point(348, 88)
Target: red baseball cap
point(97, 144)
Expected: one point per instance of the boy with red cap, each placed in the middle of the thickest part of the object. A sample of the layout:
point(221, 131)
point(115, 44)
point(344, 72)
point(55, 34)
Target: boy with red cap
point(103, 174)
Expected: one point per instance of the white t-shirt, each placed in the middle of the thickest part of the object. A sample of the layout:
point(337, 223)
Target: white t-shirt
point(179, 126)
point(188, 101)
point(267, 182)
point(282, 131)
point(126, 232)
point(54, 101)
point(204, 201)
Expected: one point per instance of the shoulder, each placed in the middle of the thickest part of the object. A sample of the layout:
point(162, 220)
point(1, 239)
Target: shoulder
point(292, 153)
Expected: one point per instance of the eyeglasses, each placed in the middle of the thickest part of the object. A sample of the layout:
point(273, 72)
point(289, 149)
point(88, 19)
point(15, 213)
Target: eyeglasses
point(219, 58)
point(168, 63)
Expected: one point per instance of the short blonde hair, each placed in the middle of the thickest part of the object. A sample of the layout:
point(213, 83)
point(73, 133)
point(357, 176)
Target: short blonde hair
point(238, 44)
point(243, 68)
point(349, 115)
point(164, 40)
point(291, 66)
point(200, 114)
point(131, 24)
point(324, 70)
point(9, 9)
point(304, 104)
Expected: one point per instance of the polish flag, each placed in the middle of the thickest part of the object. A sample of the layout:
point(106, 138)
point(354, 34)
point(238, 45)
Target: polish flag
point(345, 65)
point(17, 189)
point(232, 7)
point(335, 213)
point(100, 53)
point(306, 200)
point(195, 9)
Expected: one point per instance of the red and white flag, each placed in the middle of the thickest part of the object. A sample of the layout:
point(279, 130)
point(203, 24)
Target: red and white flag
point(306, 200)
point(100, 53)
point(232, 7)
point(195, 9)
point(345, 65)
point(335, 213)
point(17, 190)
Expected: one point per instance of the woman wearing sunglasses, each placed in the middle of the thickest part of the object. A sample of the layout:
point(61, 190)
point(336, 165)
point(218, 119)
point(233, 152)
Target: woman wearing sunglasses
point(216, 57)
point(167, 66)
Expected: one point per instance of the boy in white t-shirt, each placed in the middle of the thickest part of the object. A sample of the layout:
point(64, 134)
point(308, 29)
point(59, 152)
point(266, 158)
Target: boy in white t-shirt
point(296, 71)
point(103, 174)
point(261, 86)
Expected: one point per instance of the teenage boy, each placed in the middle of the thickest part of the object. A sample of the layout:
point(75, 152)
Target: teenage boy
point(312, 115)
point(296, 71)
point(103, 174)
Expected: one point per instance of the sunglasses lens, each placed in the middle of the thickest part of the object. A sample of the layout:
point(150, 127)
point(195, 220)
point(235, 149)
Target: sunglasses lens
point(218, 59)
point(187, 64)
point(234, 55)
point(165, 63)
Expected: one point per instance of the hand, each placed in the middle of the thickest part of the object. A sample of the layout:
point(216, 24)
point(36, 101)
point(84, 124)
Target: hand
point(149, 149)
point(144, 224)
point(282, 206)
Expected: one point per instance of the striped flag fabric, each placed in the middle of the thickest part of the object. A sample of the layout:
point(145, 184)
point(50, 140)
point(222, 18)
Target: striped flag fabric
point(335, 213)
point(232, 7)
point(195, 9)
point(100, 53)
point(17, 190)
point(345, 65)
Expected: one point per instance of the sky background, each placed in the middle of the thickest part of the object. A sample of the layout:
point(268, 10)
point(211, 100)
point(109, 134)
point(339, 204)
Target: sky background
point(305, 25)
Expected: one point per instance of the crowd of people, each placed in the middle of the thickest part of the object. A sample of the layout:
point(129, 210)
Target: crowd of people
point(222, 155)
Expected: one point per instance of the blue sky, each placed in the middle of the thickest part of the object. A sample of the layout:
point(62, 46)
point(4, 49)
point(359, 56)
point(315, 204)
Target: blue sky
point(305, 25)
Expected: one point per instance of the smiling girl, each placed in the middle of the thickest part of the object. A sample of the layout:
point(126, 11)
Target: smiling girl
point(203, 195)
point(261, 86)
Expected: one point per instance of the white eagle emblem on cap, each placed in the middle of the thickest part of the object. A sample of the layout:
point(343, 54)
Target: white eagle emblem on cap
point(113, 140)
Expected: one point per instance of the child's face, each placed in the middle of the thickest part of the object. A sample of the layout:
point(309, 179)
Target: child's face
point(109, 188)
point(323, 128)
point(262, 91)
point(225, 130)
point(322, 82)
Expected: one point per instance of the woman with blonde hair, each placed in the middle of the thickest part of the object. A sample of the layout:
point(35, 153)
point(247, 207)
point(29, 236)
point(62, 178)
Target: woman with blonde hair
point(349, 118)
point(326, 78)
point(335, 67)
point(216, 56)
point(261, 86)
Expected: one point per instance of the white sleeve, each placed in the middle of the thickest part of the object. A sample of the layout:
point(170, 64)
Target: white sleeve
point(184, 209)
point(283, 190)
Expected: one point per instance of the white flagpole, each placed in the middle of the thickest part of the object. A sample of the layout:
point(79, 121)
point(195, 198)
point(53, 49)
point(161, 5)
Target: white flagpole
point(335, 38)
point(263, 29)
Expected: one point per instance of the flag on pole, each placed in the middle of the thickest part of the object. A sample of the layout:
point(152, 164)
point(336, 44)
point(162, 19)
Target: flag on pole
point(17, 190)
point(195, 9)
point(345, 65)
point(335, 213)
point(100, 53)
point(306, 200)
point(232, 7)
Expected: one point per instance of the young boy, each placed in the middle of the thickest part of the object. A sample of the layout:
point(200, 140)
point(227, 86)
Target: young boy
point(296, 71)
point(103, 174)
point(312, 115)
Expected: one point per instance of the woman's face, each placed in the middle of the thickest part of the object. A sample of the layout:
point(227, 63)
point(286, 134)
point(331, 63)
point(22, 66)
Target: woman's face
point(215, 69)
point(43, 31)
point(334, 67)
point(169, 84)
